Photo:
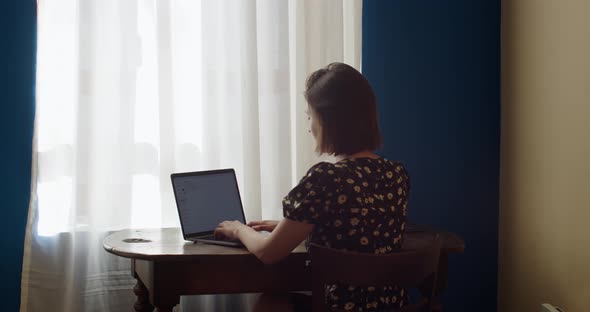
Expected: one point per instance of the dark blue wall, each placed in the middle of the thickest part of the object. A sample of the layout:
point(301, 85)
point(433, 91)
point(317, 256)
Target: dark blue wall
point(435, 67)
point(17, 94)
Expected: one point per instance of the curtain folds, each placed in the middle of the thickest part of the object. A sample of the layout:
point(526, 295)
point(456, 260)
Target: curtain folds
point(131, 91)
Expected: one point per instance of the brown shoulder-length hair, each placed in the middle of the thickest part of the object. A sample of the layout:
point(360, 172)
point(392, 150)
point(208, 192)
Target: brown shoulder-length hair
point(343, 101)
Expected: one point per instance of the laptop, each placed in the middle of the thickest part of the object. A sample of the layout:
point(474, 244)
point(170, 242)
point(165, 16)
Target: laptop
point(204, 199)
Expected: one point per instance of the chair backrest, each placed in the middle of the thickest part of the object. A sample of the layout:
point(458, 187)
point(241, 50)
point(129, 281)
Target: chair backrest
point(406, 268)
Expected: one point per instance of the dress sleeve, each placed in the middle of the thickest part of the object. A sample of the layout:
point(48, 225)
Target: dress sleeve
point(305, 201)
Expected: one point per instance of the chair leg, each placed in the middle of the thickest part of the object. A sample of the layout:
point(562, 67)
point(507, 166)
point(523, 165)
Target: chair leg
point(437, 307)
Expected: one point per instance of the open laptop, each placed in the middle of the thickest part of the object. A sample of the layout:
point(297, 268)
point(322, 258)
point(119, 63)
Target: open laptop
point(204, 199)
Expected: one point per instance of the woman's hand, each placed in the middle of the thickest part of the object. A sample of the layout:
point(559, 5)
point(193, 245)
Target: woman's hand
point(228, 229)
point(266, 225)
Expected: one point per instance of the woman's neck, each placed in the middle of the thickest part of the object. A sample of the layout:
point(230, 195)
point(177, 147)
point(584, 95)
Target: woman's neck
point(363, 154)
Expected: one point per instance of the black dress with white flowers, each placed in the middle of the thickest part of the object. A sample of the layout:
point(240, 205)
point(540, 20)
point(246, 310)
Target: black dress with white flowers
point(356, 205)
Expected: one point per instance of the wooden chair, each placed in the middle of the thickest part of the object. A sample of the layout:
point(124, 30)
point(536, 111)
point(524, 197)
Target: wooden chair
point(406, 268)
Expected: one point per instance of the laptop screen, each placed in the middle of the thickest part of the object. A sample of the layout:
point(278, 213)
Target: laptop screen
point(205, 199)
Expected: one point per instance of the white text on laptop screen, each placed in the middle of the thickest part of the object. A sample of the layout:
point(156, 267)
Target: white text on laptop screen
point(204, 201)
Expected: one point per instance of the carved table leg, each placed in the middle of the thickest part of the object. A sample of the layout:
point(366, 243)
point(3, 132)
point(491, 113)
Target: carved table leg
point(165, 309)
point(143, 297)
point(166, 302)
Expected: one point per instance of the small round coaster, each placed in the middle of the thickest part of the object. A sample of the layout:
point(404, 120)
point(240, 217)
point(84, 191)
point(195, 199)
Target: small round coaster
point(136, 240)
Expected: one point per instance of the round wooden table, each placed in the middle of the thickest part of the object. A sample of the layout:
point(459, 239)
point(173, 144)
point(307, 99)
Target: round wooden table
point(167, 267)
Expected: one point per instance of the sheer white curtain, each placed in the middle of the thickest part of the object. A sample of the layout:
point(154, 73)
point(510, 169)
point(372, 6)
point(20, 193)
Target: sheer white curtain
point(131, 91)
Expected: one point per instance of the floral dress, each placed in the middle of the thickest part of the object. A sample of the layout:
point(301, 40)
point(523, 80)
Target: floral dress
point(356, 205)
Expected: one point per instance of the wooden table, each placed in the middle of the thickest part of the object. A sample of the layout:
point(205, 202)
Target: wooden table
point(167, 267)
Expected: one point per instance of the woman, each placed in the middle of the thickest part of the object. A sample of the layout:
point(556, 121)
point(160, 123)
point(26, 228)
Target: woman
point(358, 203)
